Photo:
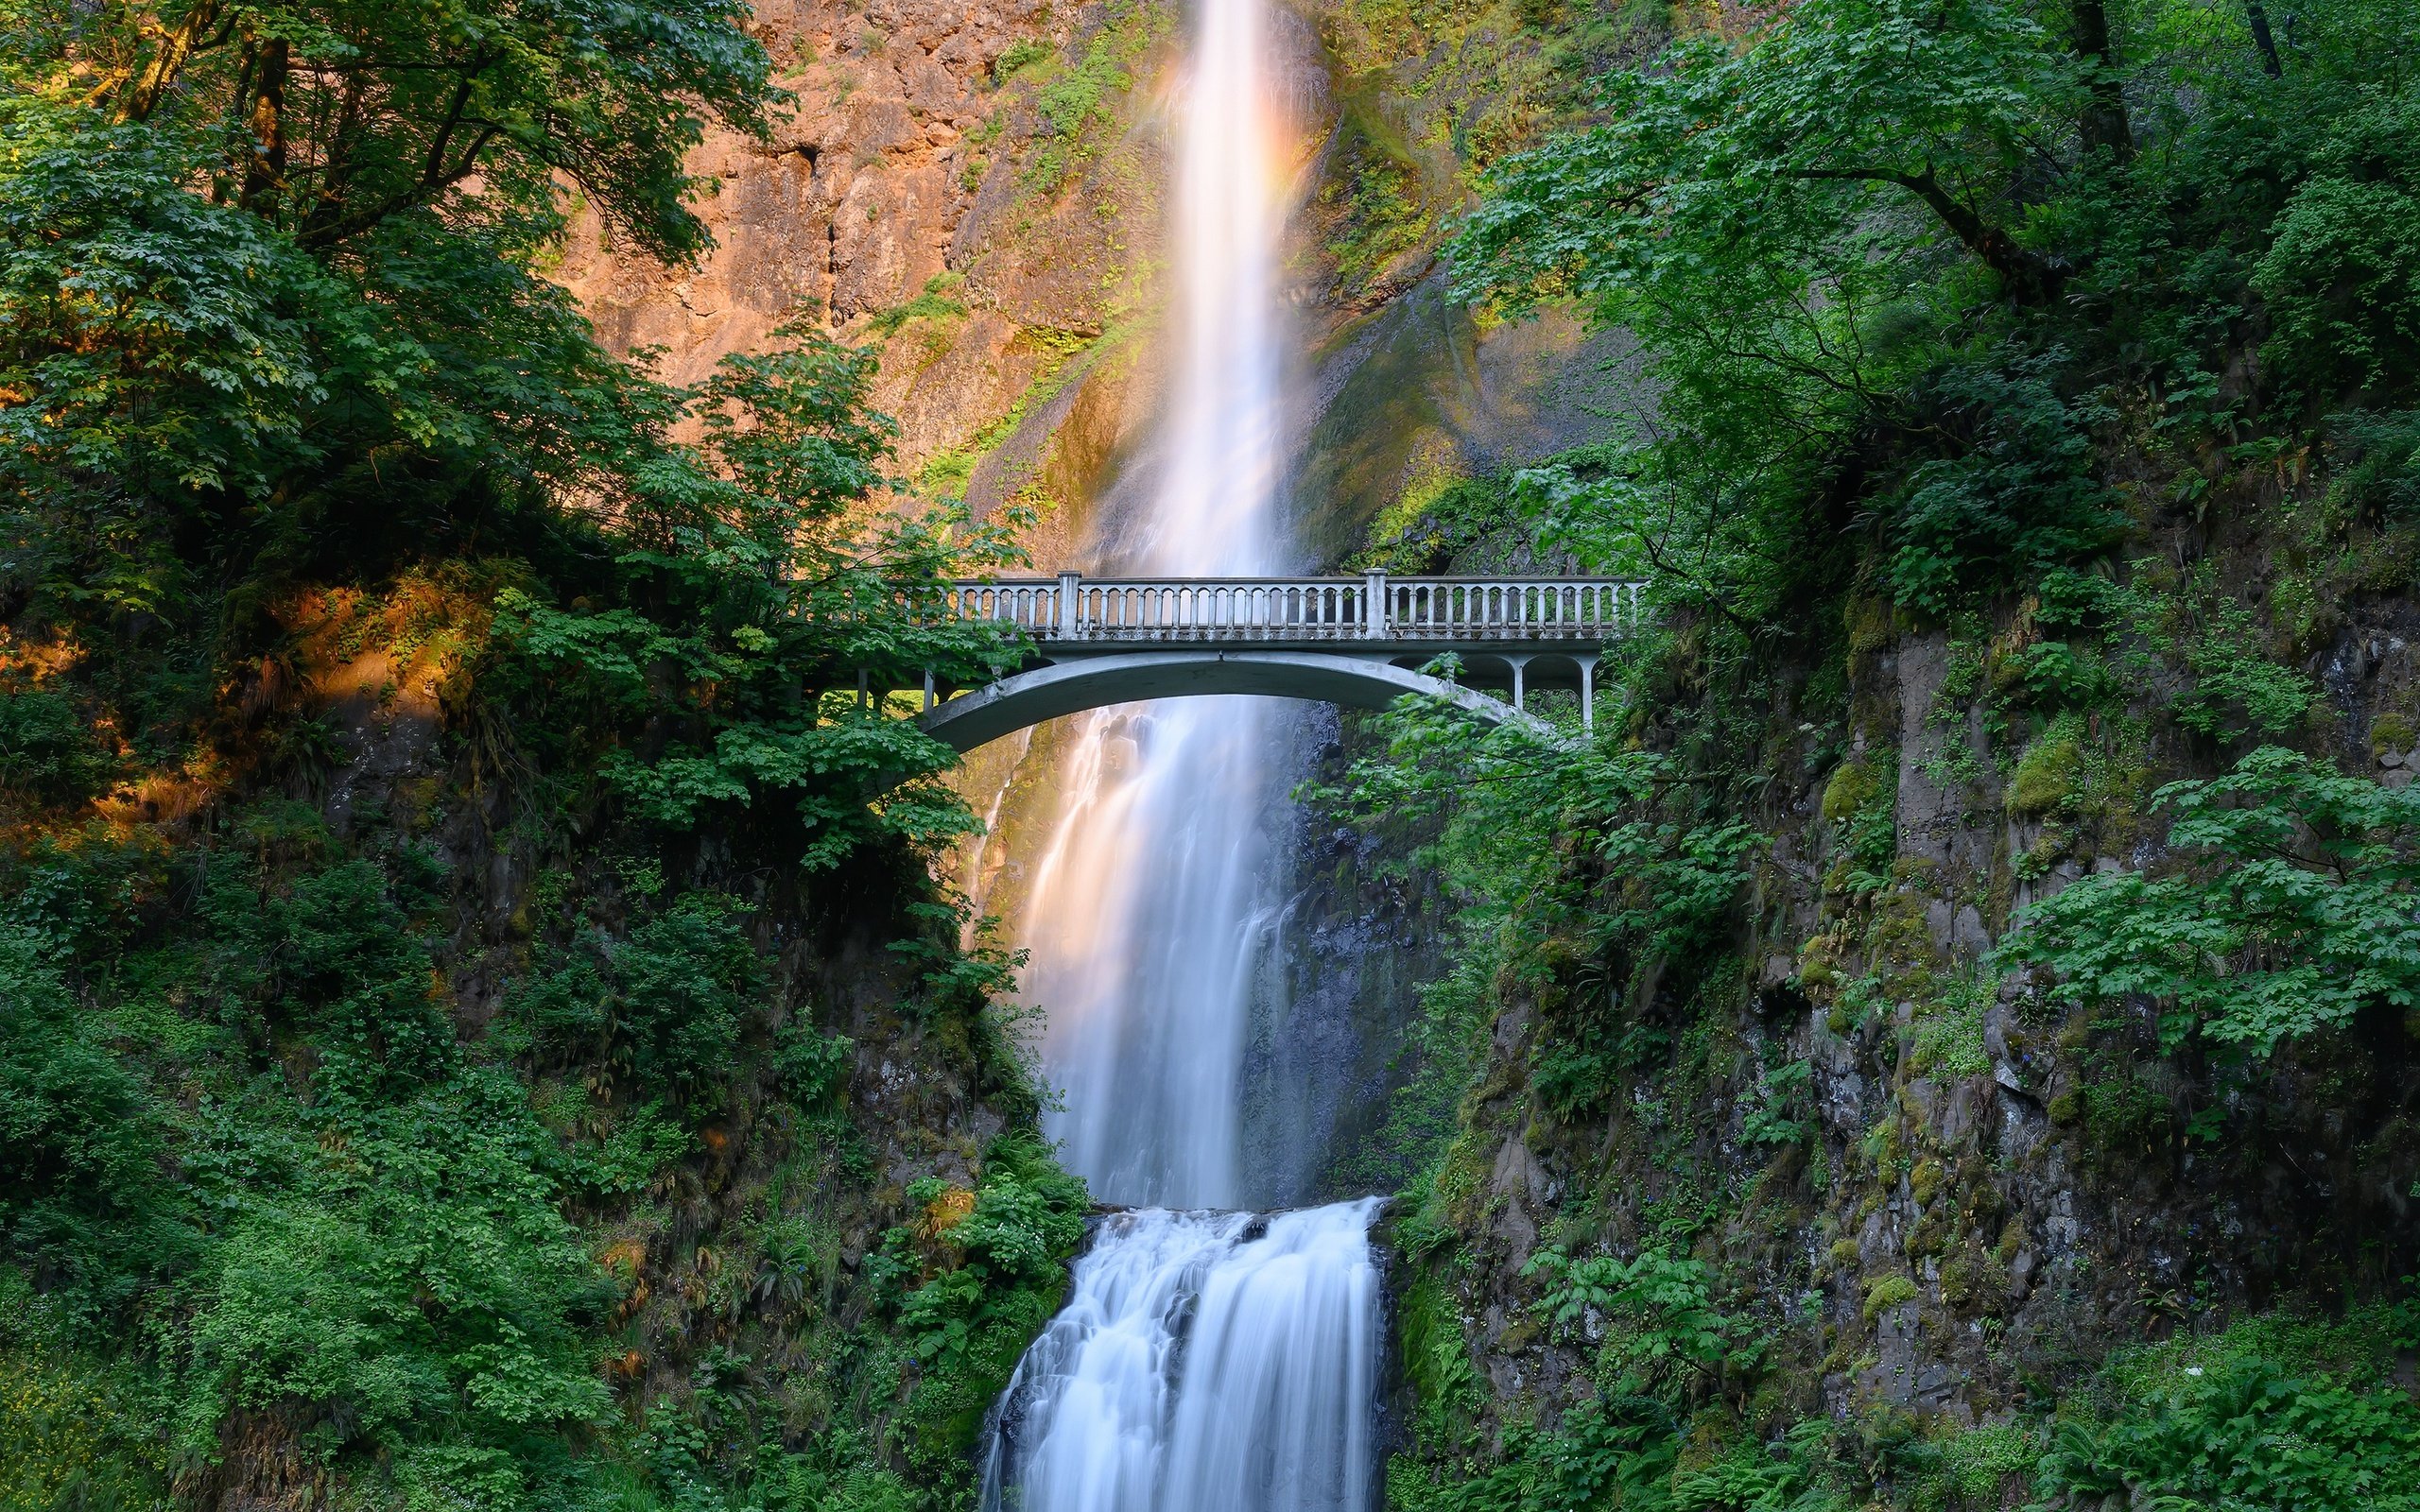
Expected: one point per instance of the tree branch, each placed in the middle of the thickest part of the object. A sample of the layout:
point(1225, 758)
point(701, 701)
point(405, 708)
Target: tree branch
point(178, 44)
point(2028, 277)
point(437, 174)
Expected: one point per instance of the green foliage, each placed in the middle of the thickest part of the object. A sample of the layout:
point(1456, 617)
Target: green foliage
point(2379, 461)
point(1073, 102)
point(1903, 261)
point(1774, 1115)
point(1658, 1319)
point(1600, 1452)
point(369, 1238)
point(69, 1440)
point(965, 1326)
point(664, 1006)
point(933, 303)
point(813, 1068)
point(48, 752)
point(2291, 909)
point(2341, 273)
point(2014, 497)
point(1514, 804)
point(2232, 681)
point(1437, 1361)
point(2242, 1424)
point(81, 1143)
point(755, 582)
point(1018, 57)
point(278, 334)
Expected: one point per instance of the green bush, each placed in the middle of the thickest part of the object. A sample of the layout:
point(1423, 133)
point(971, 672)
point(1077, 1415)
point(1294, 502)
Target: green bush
point(2341, 272)
point(85, 1196)
point(2236, 691)
point(2291, 909)
point(966, 1326)
point(2016, 498)
point(49, 752)
point(2243, 1434)
point(2378, 458)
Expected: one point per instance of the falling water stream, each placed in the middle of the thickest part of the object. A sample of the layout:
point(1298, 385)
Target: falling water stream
point(1207, 1361)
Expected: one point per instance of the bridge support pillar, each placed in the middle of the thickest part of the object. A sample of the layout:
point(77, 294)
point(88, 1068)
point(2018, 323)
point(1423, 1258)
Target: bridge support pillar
point(1587, 693)
point(928, 690)
point(1520, 666)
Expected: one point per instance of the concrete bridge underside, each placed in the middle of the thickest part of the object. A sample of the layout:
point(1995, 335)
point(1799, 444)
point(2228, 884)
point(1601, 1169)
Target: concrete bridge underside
point(1097, 681)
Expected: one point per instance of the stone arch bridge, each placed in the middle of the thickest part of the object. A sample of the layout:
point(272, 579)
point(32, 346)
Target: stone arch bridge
point(1360, 641)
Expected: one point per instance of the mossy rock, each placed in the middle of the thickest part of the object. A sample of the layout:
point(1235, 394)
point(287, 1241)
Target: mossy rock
point(1958, 1276)
point(2046, 777)
point(1871, 624)
point(1852, 785)
point(2392, 732)
point(1885, 1292)
point(1926, 1179)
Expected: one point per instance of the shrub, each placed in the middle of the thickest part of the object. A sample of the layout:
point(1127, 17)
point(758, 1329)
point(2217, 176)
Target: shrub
point(2015, 499)
point(2245, 1435)
point(2341, 274)
point(2290, 908)
point(49, 752)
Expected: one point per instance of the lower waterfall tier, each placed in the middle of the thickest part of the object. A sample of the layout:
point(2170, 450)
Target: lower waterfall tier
point(1206, 1362)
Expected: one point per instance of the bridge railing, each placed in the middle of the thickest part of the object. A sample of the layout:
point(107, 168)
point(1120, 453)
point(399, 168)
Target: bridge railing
point(1374, 607)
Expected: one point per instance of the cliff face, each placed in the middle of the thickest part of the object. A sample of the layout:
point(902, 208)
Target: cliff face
point(972, 189)
point(1950, 1193)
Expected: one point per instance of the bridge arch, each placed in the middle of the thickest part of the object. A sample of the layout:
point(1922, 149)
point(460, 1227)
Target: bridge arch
point(1081, 683)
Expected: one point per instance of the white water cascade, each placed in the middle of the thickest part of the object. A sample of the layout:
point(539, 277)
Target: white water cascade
point(1205, 1360)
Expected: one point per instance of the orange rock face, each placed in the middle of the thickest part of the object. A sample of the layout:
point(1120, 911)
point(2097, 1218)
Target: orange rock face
point(995, 242)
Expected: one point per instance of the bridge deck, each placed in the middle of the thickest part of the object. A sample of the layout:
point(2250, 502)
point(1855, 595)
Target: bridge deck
point(1345, 640)
point(1373, 613)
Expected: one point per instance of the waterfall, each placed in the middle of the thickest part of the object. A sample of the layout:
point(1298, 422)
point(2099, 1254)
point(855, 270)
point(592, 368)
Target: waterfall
point(1205, 1360)
point(1147, 916)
